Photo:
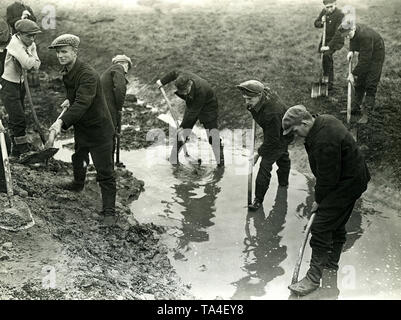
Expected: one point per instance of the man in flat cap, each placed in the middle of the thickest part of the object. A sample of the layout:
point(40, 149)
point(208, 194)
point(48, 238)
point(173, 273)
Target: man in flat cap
point(332, 16)
point(201, 104)
point(341, 178)
point(21, 54)
point(93, 128)
point(267, 109)
point(366, 74)
point(114, 84)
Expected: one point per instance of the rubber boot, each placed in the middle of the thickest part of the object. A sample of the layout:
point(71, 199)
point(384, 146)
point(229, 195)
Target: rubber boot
point(219, 154)
point(175, 151)
point(109, 207)
point(21, 144)
point(318, 262)
point(257, 203)
point(334, 256)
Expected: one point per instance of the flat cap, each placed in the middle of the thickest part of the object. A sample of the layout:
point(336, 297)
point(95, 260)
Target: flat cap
point(65, 40)
point(182, 83)
point(251, 88)
point(122, 58)
point(27, 26)
point(294, 117)
point(328, 1)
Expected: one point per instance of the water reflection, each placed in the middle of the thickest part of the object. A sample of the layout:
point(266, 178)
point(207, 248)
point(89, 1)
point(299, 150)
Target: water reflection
point(263, 252)
point(198, 210)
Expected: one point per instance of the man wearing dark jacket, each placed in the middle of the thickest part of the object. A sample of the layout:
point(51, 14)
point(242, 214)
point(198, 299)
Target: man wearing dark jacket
point(332, 16)
point(341, 178)
point(366, 74)
point(93, 128)
point(201, 104)
point(268, 110)
point(114, 84)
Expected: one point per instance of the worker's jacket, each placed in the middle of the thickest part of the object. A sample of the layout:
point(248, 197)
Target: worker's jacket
point(201, 101)
point(335, 160)
point(370, 46)
point(114, 85)
point(333, 37)
point(88, 111)
point(268, 114)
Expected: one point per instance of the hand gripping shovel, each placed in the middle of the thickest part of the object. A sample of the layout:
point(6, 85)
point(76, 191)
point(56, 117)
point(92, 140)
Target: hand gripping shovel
point(321, 88)
point(45, 154)
point(302, 249)
point(17, 215)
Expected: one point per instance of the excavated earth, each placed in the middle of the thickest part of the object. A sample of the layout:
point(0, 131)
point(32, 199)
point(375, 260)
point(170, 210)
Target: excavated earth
point(70, 253)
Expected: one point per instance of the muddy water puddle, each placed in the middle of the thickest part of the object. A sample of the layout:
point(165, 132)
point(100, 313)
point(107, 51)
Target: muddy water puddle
point(222, 251)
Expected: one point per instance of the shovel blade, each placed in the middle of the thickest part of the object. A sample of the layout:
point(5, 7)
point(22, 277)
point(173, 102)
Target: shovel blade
point(319, 89)
point(39, 156)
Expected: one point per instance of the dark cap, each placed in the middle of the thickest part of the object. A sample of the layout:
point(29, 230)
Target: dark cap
point(328, 1)
point(27, 26)
point(294, 117)
point(251, 88)
point(122, 58)
point(182, 83)
point(65, 40)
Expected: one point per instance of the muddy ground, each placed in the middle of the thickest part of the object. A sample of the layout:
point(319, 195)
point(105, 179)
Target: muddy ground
point(70, 253)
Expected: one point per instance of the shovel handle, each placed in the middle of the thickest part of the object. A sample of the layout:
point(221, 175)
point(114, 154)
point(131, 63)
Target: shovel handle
point(251, 162)
point(7, 168)
point(349, 93)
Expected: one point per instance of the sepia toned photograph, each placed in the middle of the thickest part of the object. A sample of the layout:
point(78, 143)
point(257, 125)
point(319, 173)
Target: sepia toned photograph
point(223, 151)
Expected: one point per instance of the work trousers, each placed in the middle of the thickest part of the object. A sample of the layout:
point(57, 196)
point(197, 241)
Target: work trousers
point(103, 162)
point(13, 95)
point(328, 67)
point(283, 162)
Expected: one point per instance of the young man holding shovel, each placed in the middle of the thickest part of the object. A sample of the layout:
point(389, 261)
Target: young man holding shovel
point(201, 104)
point(93, 128)
point(332, 16)
point(21, 54)
point(267, 110)
point(114, 84)
point(341, 178)
point(366, 75)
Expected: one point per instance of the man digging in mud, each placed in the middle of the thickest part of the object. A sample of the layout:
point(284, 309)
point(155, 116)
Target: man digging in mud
point(114, 85)
point(341, 178)
point(21, 54)
point(201, 102)
point(93, 128)
point(366, 75)
point(268, 110)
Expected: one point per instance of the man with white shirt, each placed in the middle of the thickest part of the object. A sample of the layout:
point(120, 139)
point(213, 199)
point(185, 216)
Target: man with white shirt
point(21, 55)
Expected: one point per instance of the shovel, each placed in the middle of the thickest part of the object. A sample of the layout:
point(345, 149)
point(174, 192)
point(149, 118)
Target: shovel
point(35, 118)
point(252, 162)
point(174, 118)
point(17, 210)
point(118, 136)
point(302, 249)
point(321, 88)
point(48, 151)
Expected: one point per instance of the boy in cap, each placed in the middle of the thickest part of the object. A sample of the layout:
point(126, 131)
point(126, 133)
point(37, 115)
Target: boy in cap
point(267, 109)
point(201, 102)
point(332, 16)
point(114, 84)
point(93, 128)
point(21, 54)
point(366, 74)
point(341, 178)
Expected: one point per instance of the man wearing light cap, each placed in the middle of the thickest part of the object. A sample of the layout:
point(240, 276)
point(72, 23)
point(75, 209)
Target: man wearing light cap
point(114, 84)
point(21, 54)
point(334, 42)
point(267, 109)
point(341, 178)
point(201, 104)
point(93, 128)
point(366, 74)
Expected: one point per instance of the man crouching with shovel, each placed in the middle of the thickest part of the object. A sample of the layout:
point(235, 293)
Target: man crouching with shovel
point(93, 127)
point(341, 178)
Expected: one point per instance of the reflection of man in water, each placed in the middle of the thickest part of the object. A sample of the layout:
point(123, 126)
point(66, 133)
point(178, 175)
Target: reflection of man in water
point(268, 253)
point(198, 211)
